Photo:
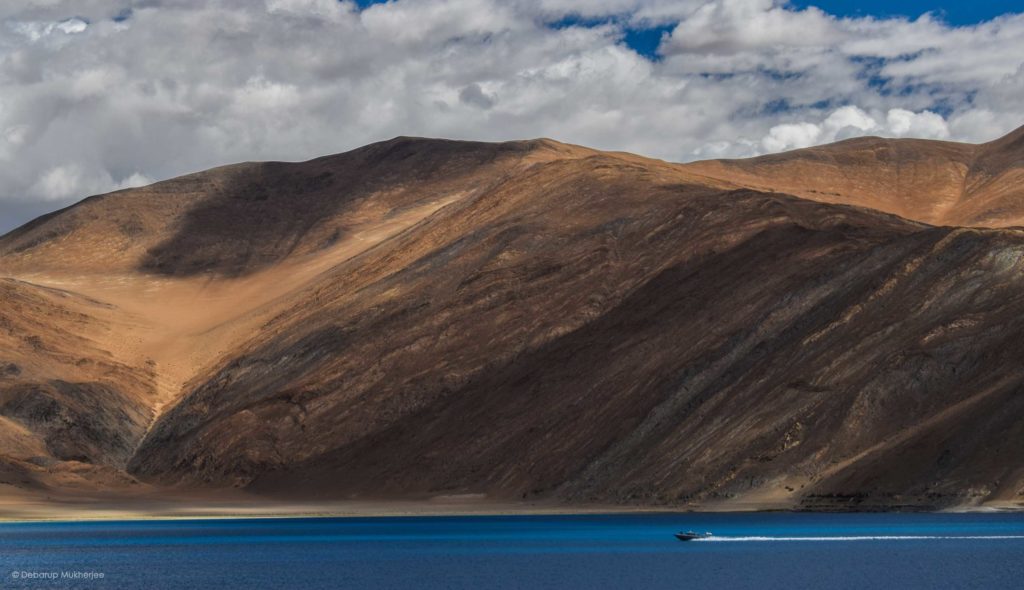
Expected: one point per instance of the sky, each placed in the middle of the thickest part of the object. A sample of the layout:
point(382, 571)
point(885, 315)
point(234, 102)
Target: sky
point(97, 95)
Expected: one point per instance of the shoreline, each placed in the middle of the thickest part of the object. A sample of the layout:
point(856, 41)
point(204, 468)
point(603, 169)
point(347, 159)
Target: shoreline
point(344, 510)
point(107, 511)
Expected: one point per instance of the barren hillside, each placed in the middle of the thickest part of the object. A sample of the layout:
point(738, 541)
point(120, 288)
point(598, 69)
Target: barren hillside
point(940, 183)
point(832, 327)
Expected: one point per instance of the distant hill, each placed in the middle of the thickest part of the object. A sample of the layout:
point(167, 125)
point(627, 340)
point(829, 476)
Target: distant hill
point(936, 182)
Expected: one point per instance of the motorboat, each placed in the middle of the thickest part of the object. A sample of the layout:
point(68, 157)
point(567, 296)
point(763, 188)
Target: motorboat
point(692, 536)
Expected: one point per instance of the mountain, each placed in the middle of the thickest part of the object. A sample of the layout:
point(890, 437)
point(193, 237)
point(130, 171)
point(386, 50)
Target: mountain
point(831, 328)
point(935, 182)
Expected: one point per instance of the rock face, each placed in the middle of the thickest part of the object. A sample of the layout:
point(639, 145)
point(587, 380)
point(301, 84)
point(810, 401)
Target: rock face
point(542, 321)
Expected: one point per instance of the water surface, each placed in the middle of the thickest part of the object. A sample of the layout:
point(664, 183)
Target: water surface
point(774, 550)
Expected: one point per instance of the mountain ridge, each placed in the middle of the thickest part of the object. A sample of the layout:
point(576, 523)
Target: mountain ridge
point(534, 321)
point(956, 184)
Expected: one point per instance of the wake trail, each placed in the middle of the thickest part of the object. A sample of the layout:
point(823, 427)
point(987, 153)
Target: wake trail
point(860, 538)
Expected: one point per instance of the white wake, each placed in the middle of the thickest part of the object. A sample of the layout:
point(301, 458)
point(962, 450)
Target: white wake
point(860, 538)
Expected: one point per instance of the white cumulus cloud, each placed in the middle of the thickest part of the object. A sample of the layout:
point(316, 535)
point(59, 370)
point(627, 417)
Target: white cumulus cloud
point(100, 94)
point(851, 121)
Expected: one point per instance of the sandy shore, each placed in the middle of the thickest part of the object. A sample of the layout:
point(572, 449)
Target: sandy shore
point(328, 510)
point(18, 507)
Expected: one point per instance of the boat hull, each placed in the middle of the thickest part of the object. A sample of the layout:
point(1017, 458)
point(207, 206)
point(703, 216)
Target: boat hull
point(690, 536)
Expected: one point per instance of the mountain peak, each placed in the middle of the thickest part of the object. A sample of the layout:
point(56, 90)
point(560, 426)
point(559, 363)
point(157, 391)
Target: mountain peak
point(234, 220)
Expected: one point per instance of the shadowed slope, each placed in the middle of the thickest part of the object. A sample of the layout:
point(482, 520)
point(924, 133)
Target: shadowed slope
point(237, 219)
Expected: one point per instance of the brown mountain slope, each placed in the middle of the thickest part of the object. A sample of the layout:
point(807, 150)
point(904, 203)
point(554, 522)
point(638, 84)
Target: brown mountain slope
point(70, 414)
point(238, 219)
point(545, 321)
point(940, 183)
point(994, 186)
point(168, 321)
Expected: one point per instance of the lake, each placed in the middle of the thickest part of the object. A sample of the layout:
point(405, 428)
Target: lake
point(767, 550)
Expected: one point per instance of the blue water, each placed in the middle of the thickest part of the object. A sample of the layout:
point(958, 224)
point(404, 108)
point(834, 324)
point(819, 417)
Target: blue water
point(775, 550)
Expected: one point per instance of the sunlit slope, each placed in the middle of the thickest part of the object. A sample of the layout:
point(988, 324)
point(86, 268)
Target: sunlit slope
point(940, 183)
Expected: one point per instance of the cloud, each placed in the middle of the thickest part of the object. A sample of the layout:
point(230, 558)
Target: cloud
point(98, 93)
point(790, 136)
point(60, 182)
point(67, 181)
point(850, 121)
point(475, 95)
point(37, 31)
point(929, 125)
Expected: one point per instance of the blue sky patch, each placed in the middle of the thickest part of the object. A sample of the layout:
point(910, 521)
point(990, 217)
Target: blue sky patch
point(646, 41)
point(955, 12)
